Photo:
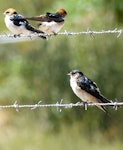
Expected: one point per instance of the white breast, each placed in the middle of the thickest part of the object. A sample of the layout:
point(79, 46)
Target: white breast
point(82, 94)
point(15, 29)
point(51, 27)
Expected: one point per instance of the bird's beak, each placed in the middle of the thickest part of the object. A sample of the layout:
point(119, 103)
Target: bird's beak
point(69, 74)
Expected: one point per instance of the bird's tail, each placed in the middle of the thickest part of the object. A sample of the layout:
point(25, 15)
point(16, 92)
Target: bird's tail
point(104, 100)
point(42, 18)
point(31, 28)
point(102, 108)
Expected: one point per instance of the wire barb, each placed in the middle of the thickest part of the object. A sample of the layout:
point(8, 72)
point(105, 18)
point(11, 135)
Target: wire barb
point(36, 105)
point(16, 106)
point(90, 32)
point(120, 32)
point(58, 105)
point(115, 106)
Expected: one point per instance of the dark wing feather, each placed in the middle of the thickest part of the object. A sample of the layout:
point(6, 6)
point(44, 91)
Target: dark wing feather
point(18, 20)
point(91, 87)
point(54, 17)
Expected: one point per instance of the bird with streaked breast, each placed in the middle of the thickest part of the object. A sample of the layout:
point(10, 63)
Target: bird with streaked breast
point(86, 89)
point(51, 23)
point(18, 25)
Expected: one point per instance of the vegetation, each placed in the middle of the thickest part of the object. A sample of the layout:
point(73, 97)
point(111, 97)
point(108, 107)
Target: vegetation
point(36, 70)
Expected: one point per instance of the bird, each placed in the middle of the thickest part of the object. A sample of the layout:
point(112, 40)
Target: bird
point(86, 89)
point(18, 25)
point(51, 23)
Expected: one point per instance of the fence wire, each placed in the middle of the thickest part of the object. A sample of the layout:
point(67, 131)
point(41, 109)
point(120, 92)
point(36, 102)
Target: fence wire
point(88, 32)
point(59, 105)
point(12, 38)
point(92, 33)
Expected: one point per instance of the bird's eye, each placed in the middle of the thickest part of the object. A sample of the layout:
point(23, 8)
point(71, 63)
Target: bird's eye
point(15, 12)
point(7, 12)
point(72, 73)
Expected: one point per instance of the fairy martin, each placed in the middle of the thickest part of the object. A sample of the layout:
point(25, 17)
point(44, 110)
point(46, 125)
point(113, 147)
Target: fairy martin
point(86, 89)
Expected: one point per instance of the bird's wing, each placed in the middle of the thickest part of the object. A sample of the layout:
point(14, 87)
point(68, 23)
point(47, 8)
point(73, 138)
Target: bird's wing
point(48, 17)
point(54, 17)
point(18, 20)
point(91, 87)
point(42, 18)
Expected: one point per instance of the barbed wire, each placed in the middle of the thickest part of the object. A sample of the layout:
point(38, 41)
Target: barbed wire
point(12, 38)
point(59, 105)
point(88, 32)
point(92, 33)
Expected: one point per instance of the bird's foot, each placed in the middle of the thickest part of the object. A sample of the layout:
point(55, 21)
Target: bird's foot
point(55, 34)
point(85, 104)
point(16, 35)
point(52, 34)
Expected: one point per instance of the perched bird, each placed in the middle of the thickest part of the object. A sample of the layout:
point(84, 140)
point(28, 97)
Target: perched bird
point(18, 25)
point(51, 23)
point(86, 89)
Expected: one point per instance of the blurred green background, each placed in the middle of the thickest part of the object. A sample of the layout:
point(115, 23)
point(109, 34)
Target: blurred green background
point(36, 70)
